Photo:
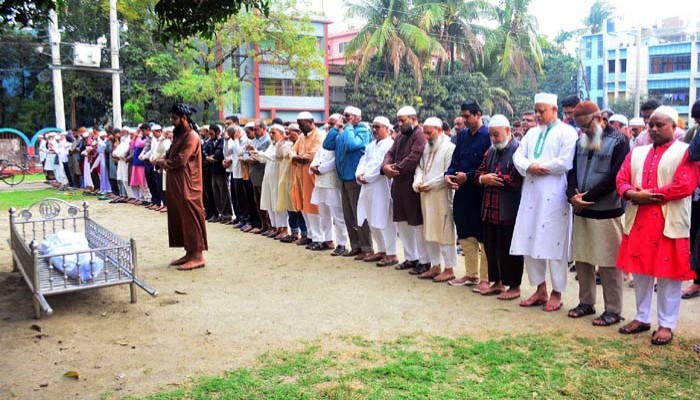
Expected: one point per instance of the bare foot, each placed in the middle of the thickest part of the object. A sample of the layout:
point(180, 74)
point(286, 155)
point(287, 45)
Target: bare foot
point(445, 276)
point(180, 260)
point(510, 294)
point(464, 281)
point(192, 264)
point(554, 302)
point(537, 299)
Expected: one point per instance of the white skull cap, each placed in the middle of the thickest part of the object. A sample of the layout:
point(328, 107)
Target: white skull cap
point(382, 121)
point(668, 112)
point(294, 127)
point(433, 121)
point(619, 118)
point(335, 116)
point(250, 124)
point(499, 121)
point(156, 127)
point(406, 111)
point(546, 98)
point(305, 115)
point(353, 110)
point(277, 127)
point(638, 121)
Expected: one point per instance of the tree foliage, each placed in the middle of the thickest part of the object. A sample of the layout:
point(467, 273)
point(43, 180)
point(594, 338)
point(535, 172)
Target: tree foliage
point(599, 13)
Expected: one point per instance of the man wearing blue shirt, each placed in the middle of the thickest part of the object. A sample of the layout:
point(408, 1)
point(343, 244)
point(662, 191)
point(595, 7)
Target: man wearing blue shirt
point(348, 139)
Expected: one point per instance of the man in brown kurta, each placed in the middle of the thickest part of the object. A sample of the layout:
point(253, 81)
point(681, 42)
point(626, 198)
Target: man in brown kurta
point(186, 224)
point(400, 164)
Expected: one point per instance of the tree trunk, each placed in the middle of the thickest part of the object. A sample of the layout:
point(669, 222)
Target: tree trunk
point(73, 106)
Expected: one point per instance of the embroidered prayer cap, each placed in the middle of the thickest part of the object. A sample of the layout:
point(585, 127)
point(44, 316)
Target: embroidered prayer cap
point(305, 115)
point(667, 111)
point(637, 122)
point(499, 121)
point(433, 121)
point(335, 116)
point(353, 111)
point(278, 127)
point(156, 127)
point(250, 125)
point(585, 108)
point(472, 106)
point(382, 121)
point(406, 111)
point(294, 127)
point(546, 98)
point(619, 118)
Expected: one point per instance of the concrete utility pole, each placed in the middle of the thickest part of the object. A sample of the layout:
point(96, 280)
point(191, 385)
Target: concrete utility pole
point(638, 73)
point(114, 51)
point(55, 41)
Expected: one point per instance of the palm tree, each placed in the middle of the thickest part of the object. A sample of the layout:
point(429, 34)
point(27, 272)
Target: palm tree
point(513, 47)
point(395, 32)
point(600, 12)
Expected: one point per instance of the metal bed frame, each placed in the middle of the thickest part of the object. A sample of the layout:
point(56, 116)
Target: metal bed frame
point(119, 254)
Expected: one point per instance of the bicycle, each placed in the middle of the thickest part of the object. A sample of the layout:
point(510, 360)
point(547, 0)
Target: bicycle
point(11, 173)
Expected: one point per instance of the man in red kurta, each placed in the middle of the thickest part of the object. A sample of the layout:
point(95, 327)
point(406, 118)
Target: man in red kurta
point(186, 224)
point(657, 180)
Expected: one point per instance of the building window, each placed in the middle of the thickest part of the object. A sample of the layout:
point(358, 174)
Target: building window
point(599, 102)
point(599, 42)
point(671, 97)
point(589, 47)
point(611, 66)
point(588, 76)
point(337, 94)
point(669, 63)
point(341, 47)
point(623, 65)
point(600, 77)
point(287, 87)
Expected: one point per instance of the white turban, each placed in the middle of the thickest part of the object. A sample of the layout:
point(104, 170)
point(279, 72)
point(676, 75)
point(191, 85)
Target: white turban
point(304, 115)
point(382, 121)
point(406, 111)
point(353, 110)
point(637, 122)
point(667, 111)
point(433, 121)
point(619, 118)
point(499, 121)
point(546, 98)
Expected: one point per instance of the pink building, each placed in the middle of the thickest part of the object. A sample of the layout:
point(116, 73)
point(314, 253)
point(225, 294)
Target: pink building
point(336, 45)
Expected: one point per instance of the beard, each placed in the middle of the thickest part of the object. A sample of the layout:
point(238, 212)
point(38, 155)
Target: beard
point(407, 129)
point(595, 142)
point(179, 129)
point(500, 145)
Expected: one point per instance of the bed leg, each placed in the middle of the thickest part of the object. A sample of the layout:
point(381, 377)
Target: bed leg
point(37, 308)
point(14, 264)
point(134, 265)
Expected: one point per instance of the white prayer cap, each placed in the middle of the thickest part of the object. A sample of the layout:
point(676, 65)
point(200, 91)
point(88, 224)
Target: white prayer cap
point(50, 134)
point(619, 118)
point(499, 121)
point(546, 98)
point(294, 127)
point(668, 112)
point(277, 127)
point(406, 111)
point(335, 116)
point(353, 110)
point(382, 121)
point(62, 133)
point(86, 134)
point(204, 127)
point(637, 122)
point(102, 134)
point(305, 115)
point(250, 125)
point(156, 127)
point(433, 121)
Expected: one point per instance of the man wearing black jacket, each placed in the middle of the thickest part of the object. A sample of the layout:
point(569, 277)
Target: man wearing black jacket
point(219, 187)
point(600, 152)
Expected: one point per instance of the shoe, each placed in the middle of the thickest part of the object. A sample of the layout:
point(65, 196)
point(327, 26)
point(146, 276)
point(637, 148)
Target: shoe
point(352, 253)
point(419, 269)
point(146, 203)
point(238, 225)
point(246, 228)
point(289, 239)
point(303, 241)
point(374, 257)
point(406, 265)
point(323, 246)
point(339, 251)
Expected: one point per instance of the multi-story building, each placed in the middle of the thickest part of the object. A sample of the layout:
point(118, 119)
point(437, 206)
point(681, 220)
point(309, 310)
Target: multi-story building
point(274, 91)
point(336, 60)
point(659, 62)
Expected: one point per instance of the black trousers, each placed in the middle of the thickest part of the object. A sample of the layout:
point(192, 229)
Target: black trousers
point(234, 198)
point(222, 199)
point(262, 214)
point(208, 196)
point(503, 266)
point(153, 187)
point(253, 217)
point(69, 176)
point(242, 198)
point(694, 228)
point(114, 185)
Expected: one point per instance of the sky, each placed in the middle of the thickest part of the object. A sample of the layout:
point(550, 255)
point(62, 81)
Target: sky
point(556, 15)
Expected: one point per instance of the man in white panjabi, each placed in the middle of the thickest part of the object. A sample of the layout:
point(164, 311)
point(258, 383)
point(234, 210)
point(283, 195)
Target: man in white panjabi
point(327, 196)
point(375, 204)
point(542, 232)
point(439, 230)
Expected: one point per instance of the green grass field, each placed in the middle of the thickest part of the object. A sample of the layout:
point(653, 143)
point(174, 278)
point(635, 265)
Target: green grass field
point(549, 366)
point(24, 198)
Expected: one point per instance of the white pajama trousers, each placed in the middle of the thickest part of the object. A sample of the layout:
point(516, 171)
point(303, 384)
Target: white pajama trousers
point(537, 272)
point(442, 254)
point(313, 225)
point(668, 300)
point(332, 217)
point(413, 242)
point(278, 219)
point(385, 239)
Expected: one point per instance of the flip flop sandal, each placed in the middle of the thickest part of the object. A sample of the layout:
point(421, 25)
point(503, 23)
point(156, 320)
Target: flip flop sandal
point(536, 303)
point(691, 295)
point(661, 342)
point(545, 309)
point(427, 277)
point(404, 266)
point(191, 268)
point(638, 329)
point(508, 298)
point(607, 319)
point(385, 263)
point(435, 280)
point(490, 292)
point(581, 310)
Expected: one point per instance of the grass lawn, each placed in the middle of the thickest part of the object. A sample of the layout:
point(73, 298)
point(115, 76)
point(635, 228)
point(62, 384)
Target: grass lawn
point(550, 366)
point(24, 198)
point(35, 177)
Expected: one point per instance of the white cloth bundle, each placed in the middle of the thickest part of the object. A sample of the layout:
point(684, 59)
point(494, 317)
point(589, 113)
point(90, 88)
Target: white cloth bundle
point(83, 264)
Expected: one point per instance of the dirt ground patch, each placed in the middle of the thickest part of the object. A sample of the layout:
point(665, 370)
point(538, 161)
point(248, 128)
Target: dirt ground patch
point(254, 295)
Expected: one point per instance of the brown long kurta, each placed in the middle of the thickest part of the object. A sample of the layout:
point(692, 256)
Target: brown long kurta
point(406, 154)
point(186, 225)
point(302, 181)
